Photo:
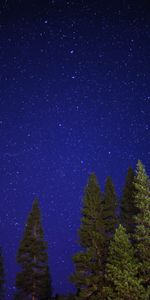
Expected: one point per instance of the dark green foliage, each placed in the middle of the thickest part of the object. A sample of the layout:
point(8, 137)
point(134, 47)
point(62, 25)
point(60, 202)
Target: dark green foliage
point(2, 281)
point(33, 281)
point(128, 209)
point(109, 209)
point(142, 230)
point(122, 282)
point(88, 276)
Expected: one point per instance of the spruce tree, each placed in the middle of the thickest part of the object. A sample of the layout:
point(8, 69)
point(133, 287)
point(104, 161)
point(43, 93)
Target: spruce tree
point(2, 275)
point(122, 282)
point(109, 210)
point(88, 276)
point(142, 219)
point(33, 281)
point(128, 209)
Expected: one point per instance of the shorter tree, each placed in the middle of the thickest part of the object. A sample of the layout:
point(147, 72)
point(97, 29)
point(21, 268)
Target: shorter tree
point(2, 280)
point(142, 219)
point(33, 281)
point(122, 282)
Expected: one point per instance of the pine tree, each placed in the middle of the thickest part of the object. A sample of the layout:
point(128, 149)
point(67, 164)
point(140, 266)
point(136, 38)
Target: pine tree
point(142, 219)
point(2, 275)
point(128, 209)
point(109, 210)
point(33, 281)
point(122, 282)
point(88, 276)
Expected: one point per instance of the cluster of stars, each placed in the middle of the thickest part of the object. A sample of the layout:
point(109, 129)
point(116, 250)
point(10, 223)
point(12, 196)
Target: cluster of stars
point(74, 99)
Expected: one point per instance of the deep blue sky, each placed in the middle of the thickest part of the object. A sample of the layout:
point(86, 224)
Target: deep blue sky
point(74, 98)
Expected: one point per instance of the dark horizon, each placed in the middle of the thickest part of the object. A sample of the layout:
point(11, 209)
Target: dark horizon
point(74, 99)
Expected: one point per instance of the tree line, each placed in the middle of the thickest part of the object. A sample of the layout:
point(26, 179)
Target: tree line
point(114, 260)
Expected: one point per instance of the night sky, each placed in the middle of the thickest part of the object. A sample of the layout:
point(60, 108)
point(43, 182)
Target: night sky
point(74, 98)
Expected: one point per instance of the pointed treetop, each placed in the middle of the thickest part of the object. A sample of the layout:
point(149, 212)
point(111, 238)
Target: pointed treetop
point(109, 186)
point(141, 182)
point(35, 202)
point(130, 173)
point(109, 180)
point(93, 178)
point(92, 188)
point(140, 169)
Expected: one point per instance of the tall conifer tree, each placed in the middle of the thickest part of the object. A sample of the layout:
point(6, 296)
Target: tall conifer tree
point(2, 276)
point(121, 274)
point(33, 281)
point(142, 230)
point(88, 276)
point(109, 209)
point(128, 209)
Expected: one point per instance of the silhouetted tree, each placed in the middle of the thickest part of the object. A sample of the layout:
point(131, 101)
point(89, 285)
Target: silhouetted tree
point(88, 276)
point(33, 281)
point(109, 211)
point(128, 209)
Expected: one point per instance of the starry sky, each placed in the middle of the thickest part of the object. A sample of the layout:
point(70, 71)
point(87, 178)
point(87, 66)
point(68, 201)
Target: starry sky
point(74, 98)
